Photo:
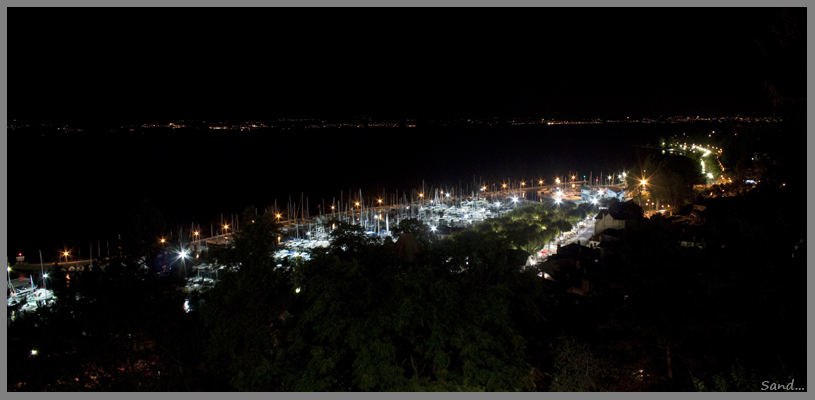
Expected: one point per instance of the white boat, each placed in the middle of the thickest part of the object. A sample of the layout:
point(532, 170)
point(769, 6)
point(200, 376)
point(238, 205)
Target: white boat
point(40, 295)
point(28, 307)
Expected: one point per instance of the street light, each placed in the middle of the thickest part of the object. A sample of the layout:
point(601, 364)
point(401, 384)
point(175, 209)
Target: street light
point(66, 256)
point(183, 256)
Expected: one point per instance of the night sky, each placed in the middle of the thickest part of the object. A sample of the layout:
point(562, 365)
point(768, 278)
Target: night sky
point(103, 68)
point(94, 65)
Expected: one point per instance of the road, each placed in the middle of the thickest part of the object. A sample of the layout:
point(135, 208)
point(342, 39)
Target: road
point(584, 233)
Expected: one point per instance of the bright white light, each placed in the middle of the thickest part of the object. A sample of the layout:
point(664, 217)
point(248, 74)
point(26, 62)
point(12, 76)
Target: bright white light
point(593, 201)
point(557, 200)
point(514, 199)
point(297, 290)
point(448, 195)
point(33, 352)
point(433, 228)
point(183, 253)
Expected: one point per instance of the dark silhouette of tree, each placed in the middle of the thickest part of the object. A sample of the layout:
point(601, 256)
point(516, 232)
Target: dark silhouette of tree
point(670, 179)
point(142, 233)
point(246, 312)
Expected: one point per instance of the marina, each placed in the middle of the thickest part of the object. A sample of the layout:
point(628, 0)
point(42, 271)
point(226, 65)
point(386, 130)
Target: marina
point(442, 211)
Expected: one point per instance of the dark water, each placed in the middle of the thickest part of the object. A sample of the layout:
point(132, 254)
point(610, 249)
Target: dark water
point(71, 190)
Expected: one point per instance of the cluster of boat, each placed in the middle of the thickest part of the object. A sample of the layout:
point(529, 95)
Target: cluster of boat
point(459, 213)
point(31, 299)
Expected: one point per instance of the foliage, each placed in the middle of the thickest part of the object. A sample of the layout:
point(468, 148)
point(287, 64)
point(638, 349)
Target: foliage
point(246, 311)
point(415, 227)
point(738, 380)
point(118, 330)
point(669, 178)
point(575, 367)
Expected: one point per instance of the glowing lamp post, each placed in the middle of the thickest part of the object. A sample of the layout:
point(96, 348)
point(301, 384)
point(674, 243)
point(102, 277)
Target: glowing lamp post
point(183, 256)
point(643, 183)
